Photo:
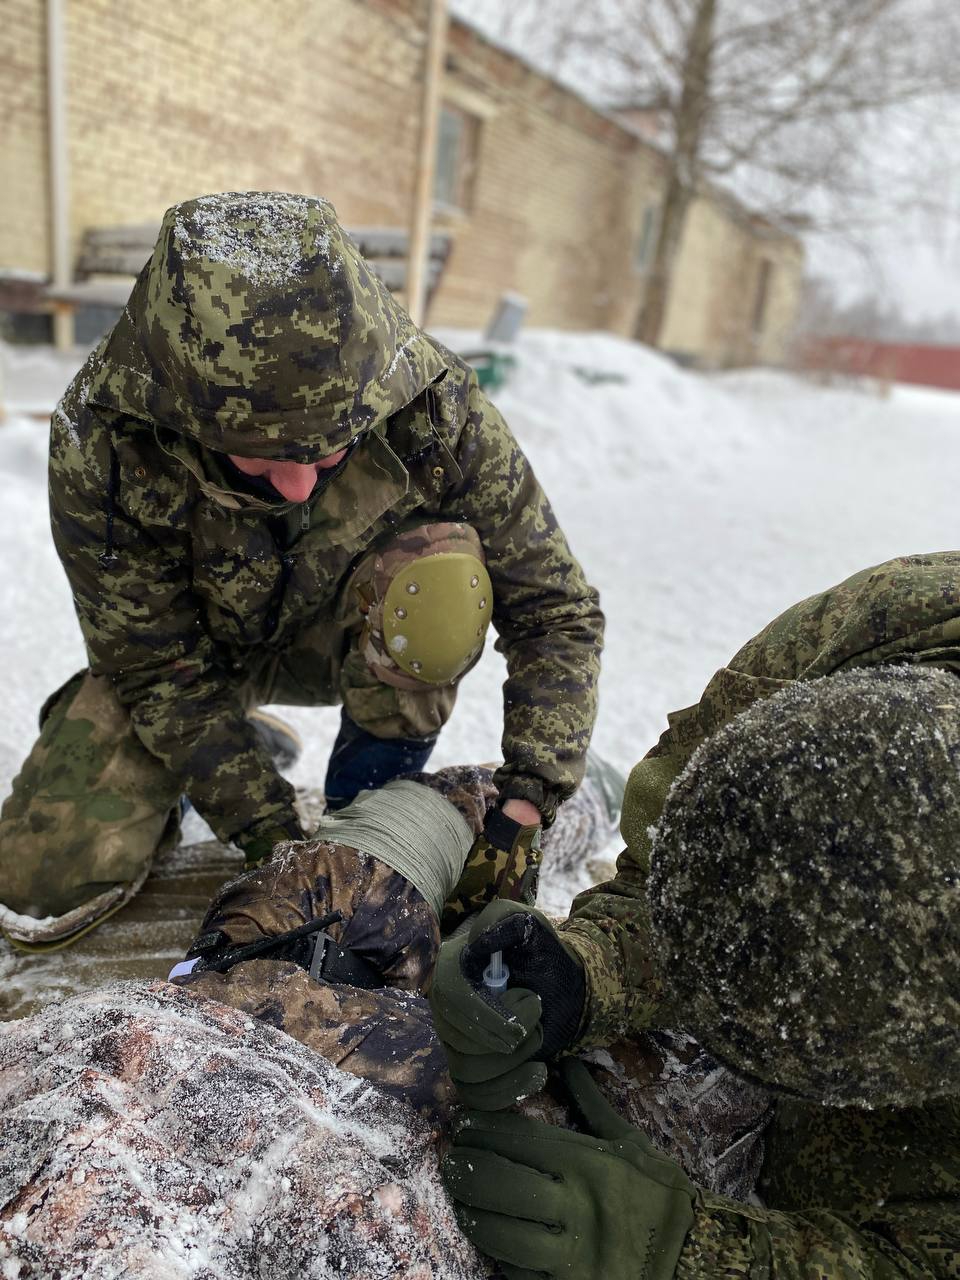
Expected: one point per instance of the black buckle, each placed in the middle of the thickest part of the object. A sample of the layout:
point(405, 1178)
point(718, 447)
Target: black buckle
point(225, 960)
point(333, 963)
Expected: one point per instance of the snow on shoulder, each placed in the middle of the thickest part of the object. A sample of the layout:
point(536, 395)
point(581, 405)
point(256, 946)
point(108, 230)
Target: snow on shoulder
point(149, 1132)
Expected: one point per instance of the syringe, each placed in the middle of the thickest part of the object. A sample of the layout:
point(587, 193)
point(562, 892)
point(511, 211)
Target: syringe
point(496, 974)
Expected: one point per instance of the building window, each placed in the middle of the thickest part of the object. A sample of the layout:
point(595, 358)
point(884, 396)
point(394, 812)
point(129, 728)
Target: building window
point(762, 296)
point(647, 239)
point(457, 146)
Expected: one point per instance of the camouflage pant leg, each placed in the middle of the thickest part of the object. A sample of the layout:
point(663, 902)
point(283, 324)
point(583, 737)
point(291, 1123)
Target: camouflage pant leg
point(383, 1036)
point(584, 826)
point(89, 808)
point(385, 919)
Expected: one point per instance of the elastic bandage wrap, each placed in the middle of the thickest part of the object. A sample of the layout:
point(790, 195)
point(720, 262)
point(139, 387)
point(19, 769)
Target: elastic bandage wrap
point(411, 828)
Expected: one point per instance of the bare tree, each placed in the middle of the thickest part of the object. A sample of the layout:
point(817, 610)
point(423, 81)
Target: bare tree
point(807, 108)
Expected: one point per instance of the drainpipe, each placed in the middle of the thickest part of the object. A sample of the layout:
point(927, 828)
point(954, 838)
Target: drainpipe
point(59, 171)
point(418, 259)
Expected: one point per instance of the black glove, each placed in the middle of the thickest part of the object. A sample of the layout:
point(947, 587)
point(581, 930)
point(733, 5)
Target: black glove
point(546, 1202)
point(496, 1045)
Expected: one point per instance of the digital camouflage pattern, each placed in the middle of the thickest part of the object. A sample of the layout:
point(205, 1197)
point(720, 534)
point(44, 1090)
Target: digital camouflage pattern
point(256, 328)
point(493, 872)
point(849, 1193)
point(801, 829)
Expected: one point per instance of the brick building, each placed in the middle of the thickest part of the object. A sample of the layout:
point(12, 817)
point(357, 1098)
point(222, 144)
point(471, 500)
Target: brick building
point(540, 192)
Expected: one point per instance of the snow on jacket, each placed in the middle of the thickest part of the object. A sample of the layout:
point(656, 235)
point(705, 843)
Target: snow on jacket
point(257, 329)
point(148, 1132)
point(850, 1193)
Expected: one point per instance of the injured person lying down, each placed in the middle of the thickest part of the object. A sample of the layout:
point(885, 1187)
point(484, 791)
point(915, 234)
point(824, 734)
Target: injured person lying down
point(280, 1106)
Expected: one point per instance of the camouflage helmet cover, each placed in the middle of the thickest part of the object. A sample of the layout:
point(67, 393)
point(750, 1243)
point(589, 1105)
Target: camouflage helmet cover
point(258, 329)
point(805, 887)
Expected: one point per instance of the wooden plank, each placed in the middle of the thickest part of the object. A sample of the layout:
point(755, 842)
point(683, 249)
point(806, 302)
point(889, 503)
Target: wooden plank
point(144, 940)
point(92, 293)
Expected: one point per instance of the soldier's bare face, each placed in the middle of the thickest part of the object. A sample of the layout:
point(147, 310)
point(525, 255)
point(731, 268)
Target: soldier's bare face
point(294, 481)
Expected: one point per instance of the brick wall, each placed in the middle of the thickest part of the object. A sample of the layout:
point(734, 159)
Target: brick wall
point(711, 316)
point(323, 96)
point(559, 194)
point(24, 226)
point(237, 94)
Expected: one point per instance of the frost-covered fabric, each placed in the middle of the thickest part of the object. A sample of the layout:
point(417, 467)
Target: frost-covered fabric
point(196, 600)
point(805, 889)
point(850, 1193)
point(148, 1133)
point(905, 611)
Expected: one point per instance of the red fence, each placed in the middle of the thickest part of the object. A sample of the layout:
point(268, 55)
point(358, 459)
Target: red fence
point(927, 366)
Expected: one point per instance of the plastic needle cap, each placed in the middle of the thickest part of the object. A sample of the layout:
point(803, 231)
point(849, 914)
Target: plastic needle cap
point(496, 974)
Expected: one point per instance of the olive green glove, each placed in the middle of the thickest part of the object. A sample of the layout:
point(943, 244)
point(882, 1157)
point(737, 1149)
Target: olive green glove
point(544, 1201)
point(496, 1045)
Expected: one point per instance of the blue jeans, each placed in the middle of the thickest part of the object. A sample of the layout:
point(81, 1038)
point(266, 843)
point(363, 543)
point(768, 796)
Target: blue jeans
point(361, 762)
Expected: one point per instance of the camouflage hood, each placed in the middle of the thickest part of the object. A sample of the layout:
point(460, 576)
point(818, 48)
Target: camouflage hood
point(257, 328)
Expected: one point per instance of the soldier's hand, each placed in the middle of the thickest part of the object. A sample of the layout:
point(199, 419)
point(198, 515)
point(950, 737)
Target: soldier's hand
point(545, 1201)
point(503, 862)
point(497, 1044)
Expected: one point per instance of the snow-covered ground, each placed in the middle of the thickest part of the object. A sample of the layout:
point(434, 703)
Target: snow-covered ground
point(700, 506)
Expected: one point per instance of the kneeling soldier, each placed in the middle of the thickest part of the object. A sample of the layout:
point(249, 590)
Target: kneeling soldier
point(268, 485)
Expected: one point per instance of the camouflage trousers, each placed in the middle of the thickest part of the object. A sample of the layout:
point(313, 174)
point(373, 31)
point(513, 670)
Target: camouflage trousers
point(91, 807)
point(383, 1035)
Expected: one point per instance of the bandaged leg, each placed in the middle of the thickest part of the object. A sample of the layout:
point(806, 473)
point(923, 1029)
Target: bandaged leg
point(387, 864)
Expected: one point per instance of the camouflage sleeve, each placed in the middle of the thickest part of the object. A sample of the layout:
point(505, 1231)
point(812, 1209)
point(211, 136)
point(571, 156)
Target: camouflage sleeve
point(547, 616)
point(609, 925)
point(142, 630)
point(908, 1240)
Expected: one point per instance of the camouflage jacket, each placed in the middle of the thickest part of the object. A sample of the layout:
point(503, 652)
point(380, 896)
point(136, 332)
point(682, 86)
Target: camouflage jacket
point(850, 1193)
point(257, 329)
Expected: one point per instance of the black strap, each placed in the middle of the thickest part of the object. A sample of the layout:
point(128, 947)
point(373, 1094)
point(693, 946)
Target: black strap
point(334, 963)
point(236, 955)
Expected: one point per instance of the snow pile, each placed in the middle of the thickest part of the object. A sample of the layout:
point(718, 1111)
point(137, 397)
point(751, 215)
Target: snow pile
point(149, 1133)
